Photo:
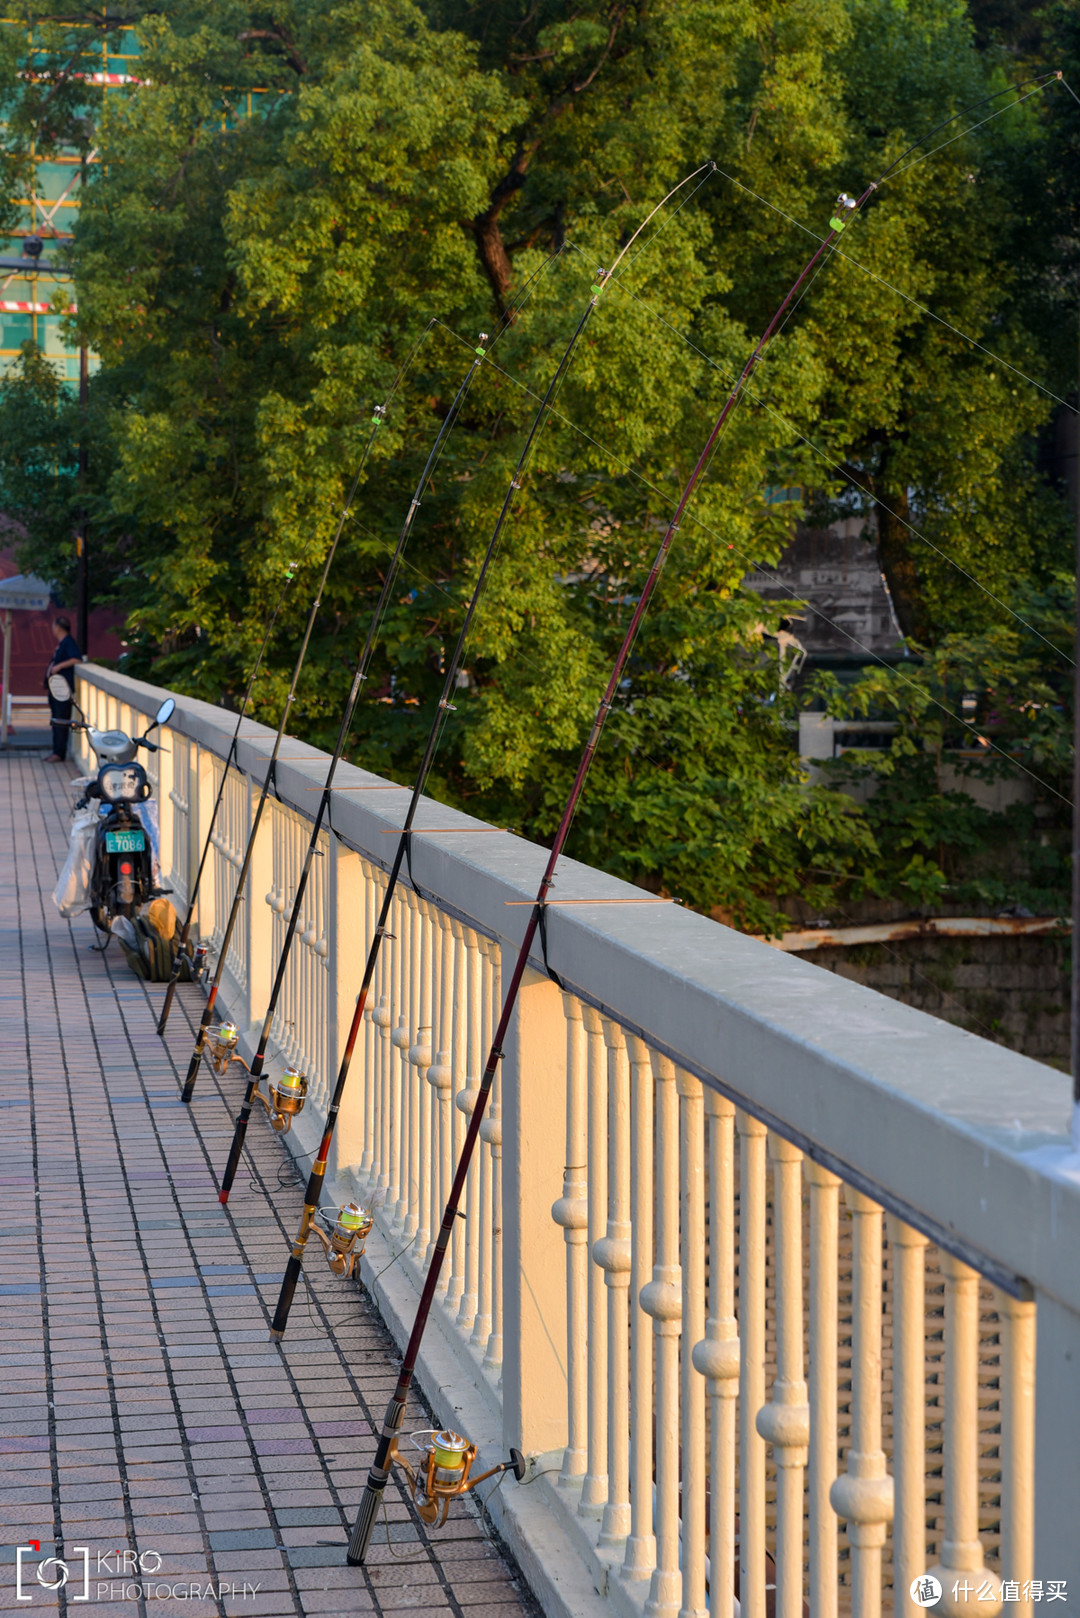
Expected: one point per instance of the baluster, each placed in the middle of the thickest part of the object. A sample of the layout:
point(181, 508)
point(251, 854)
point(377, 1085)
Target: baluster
point(594, 1489)
point(785, 1421)
point(961, 1569)
point(399, 1039)
point(909, 1411)
point(692, 1416)
point(371, 1043)
point(640, 1558)
point(491, 1131)
point(752, 1203)
point(863, 1494)
point(662, 1299)
point(420, 1092)
point(1017, 1328)
point(716, 1356)
point(454, 1122)
point(824, 1314)
point(482, 1319)
point(571, 1212)
point(382, 1017)
point(442, 1078)
point(612, 1254)
point(464, 1101)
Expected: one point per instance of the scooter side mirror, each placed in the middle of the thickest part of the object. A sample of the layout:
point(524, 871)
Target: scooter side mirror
point(164, 713)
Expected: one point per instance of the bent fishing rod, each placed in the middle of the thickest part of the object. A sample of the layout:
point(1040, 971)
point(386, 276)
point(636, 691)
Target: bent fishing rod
point(317, 1174)
point(439, 1473)
point(245, 864)
point(230, 759)
point(295, 1081)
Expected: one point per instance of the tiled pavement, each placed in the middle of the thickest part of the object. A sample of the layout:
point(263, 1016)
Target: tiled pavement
point(144, 1411)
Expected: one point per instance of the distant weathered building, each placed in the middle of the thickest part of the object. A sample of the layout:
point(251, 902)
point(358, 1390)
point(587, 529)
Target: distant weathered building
point(848, 619)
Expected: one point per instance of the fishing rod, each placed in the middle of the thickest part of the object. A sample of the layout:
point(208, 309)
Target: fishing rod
point(448, 1455)
point(291, 1091)
point(230, 759)
point(318, 1168)
point(229, 1036)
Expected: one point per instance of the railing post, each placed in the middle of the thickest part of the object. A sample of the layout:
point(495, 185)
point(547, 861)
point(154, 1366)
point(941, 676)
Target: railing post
point(1017, 1381)
point(961, 1569)
point(1057, 1442)
point(594, 1489)
point(752, 1202)
point(863, 1495)
point(692, 1411)
point(254, 934)
point(347, 918)
point(785, 1421)
point(821, 1456)
point(533, 1080)
point(571, 1213)
point(612, 1253)
point(640, 1558)
point(716, 1356)
point(662, 1299)
point(909, 1411)
point(420, 1090)
point(464, 1101)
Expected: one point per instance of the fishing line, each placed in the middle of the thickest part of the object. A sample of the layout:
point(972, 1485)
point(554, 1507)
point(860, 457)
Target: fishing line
point(756, 398)
point(1040, 79)
point(795, 593)
point(376, 421)
point(896, 175)
point(445, 705)
point(230, 757)
point(923, 309)
point(480, 352)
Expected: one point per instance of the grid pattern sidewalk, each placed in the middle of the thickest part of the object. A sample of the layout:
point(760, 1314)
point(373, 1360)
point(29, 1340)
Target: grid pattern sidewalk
point(145, 1413)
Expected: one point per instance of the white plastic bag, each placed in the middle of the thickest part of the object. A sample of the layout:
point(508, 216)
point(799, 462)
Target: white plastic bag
point(72, 892)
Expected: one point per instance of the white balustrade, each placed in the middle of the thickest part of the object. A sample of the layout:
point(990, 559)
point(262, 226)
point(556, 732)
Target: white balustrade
point(692, 1304)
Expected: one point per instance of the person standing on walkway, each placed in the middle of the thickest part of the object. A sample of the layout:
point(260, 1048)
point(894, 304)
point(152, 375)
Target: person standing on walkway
point(58, 678)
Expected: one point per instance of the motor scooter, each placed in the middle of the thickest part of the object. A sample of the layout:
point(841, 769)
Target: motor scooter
point(121, 873)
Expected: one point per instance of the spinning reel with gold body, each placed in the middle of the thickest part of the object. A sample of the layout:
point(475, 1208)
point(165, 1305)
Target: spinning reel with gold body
point(286, 1099)
point(345, 1237)
point(221, 1042)
point(443, 1471)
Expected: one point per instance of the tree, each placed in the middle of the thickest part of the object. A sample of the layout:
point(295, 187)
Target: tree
point(287, 207)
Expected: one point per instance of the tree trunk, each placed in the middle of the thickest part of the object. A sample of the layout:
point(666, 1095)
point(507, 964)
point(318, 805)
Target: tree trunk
point(895, 556)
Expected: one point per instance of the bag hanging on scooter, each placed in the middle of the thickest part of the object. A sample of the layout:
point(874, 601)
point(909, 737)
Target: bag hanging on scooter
point(72, 892)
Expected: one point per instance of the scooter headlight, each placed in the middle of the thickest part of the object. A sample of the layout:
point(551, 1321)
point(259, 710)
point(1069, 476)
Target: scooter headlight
point(122, 783)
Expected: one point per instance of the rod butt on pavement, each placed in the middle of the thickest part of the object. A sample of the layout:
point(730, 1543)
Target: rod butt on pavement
point(234, 1158)
point(285, 1297)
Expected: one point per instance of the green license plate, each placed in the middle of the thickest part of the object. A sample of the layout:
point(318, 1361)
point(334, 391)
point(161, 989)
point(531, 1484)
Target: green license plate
point(125, 842)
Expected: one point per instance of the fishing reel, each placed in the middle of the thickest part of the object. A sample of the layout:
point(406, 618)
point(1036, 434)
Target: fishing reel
point(443, 1470)
point(345, 1235)
point(286, 1099)
point(843, 209)
point(198, 960)
point(221, 1042)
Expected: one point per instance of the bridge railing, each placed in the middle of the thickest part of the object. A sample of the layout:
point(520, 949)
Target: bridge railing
point(774, 1279)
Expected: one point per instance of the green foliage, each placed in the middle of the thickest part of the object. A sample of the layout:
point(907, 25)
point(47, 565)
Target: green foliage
point(39, 429)
point(298, 217)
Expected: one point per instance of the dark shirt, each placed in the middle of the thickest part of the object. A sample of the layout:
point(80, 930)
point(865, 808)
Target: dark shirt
point(68, 647)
